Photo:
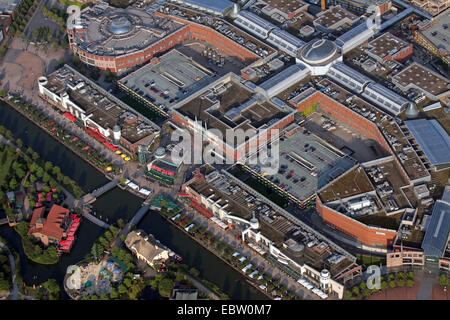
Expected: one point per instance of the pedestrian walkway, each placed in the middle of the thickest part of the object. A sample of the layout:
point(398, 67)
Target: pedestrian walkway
point(91, 197)
point(426, 287)
point(95, 220)
point(254, 258)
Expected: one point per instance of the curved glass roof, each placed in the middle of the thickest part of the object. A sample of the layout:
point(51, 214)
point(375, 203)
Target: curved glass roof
point(318, 50)
point(120, 25)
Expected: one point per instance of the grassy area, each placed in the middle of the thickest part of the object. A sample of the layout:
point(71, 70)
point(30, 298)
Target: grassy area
point(141, 108)
point(353, 182)
point(369, 260)
point(71, 3)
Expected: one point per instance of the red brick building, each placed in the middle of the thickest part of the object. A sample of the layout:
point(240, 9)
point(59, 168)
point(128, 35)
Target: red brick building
point(191, 30)
point(342, 114)
point(49, 229)
point(367, 235)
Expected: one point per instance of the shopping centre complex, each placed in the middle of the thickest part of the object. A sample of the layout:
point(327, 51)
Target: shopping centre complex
point(354, 148)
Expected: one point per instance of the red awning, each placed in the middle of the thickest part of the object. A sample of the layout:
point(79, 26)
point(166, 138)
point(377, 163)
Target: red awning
point(96, 135)
point(110, 146)
point(70, 116)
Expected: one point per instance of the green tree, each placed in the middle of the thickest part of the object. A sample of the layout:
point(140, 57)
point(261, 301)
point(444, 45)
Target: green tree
point(392, 284)
point(122, 289)
point(40, 173)
point(20, 173)
point(56, 170)
point(13, 185)
point(48, 166)
point(120, 223)
point(443, 281)
point(19, 143)
point(165, 287)
point(108, 235)
point(113, 294)
point(363, 285)
point(104, 296)
point(127, 282)
point(194, 272)
point(53, 288)
point(409, 283)
point(355, 291)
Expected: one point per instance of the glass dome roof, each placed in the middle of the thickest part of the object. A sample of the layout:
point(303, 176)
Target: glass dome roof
point(318, 51)
point(120, 25)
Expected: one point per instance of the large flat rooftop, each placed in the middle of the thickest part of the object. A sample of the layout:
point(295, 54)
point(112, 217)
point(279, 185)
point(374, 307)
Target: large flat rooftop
point(403, 149)
point(334, 17)
point(285, 6)
point(422, 77)
point(8, 5)
point(390, 193)
point(437, 31)
point(228, 104)
point(170, 79)
point(110, 31)
point(307, 163)
point(386, 44)
point(258, 47)
point(298, 243)
point(100, 107)
point(352, 183)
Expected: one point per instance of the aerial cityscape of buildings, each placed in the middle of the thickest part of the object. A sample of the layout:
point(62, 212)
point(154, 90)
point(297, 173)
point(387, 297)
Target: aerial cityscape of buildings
point(351, 98)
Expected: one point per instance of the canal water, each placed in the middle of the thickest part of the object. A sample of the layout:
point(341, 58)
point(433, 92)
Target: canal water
point(111, 206)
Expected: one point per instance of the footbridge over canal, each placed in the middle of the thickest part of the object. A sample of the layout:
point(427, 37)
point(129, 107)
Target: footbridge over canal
point(91, 197)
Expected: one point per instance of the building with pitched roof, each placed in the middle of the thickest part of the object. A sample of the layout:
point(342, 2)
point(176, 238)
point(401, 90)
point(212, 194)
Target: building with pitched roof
point(50, 228)
point(147, 248)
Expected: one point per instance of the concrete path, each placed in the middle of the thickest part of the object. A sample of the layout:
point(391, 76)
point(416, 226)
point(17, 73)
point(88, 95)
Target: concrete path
point(426, 287)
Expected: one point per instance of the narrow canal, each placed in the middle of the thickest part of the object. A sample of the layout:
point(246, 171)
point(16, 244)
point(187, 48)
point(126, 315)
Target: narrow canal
point(113, 205)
